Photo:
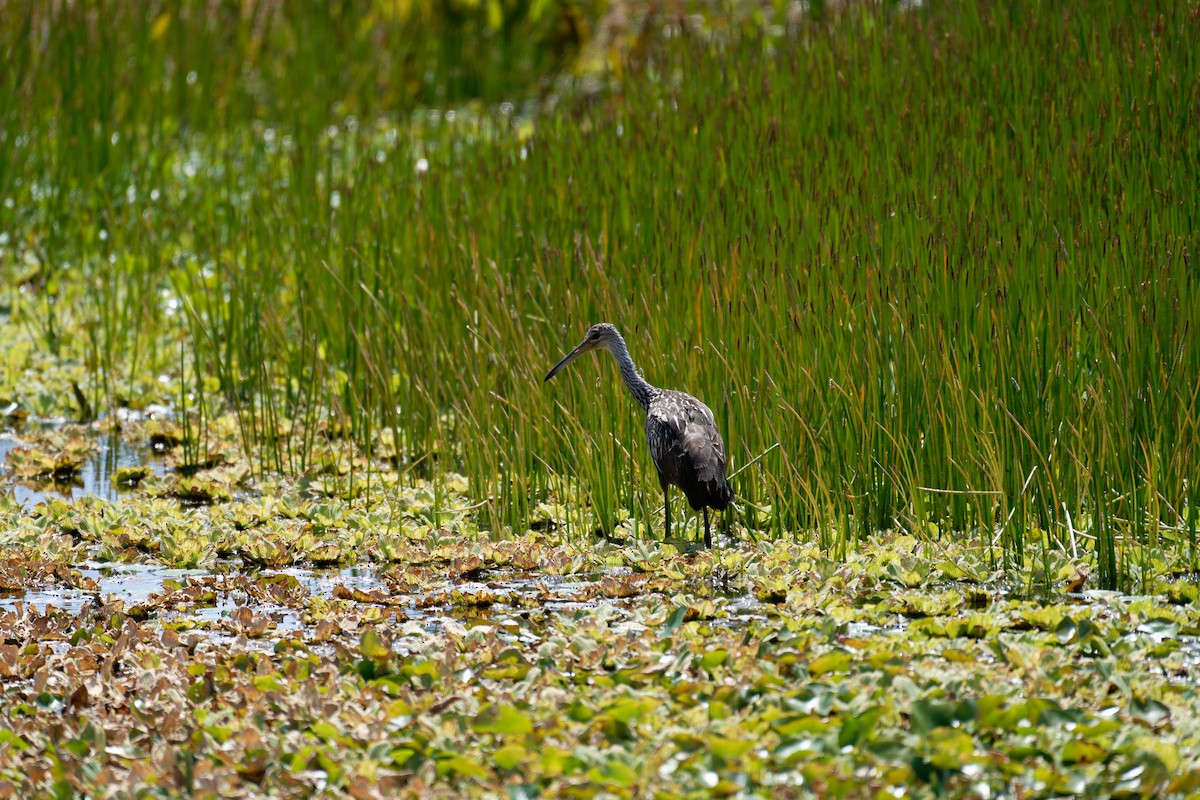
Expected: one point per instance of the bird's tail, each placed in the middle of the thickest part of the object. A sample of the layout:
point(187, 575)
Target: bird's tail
point(725, 497)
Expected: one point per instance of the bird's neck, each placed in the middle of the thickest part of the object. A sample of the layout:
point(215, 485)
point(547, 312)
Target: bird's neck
point(642, 391)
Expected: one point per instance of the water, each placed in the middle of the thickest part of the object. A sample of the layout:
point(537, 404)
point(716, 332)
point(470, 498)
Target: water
point(133, 583)
point(512, 591)
point(94, 478)
point(136, 583)
point(321, 583)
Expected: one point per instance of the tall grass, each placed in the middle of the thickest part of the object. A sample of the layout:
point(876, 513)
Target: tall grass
point(943, 257)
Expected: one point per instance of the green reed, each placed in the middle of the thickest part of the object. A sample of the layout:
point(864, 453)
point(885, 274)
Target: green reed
point(942, 257)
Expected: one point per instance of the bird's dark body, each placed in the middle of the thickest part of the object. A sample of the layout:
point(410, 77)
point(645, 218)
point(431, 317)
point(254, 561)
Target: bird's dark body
point(683, 437)
point(687, 449)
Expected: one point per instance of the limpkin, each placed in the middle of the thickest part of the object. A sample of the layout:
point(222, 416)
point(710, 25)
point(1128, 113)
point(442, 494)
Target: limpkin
point(684, 441)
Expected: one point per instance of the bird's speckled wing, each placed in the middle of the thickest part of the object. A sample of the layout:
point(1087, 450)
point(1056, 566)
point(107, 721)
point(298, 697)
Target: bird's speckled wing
point(687, 448)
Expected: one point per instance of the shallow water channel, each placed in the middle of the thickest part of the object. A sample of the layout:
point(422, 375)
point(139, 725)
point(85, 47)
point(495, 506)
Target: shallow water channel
point(94, 478)
point(510, 592)
point(137, 583)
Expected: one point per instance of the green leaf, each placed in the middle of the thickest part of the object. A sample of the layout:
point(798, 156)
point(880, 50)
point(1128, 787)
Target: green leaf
point(510, 756)
point(813, 699)
point(12, 740)
point(325, 731)
point(856, 727)
point(464, 767)
point(1150, 712)
point(401, 756)
point(630, 709)
point(728, 749)
point(687, 742)
point(614, 773)
point(557, 762)
point(1066, 630)
point(792, 726)
point(836, 661)
point(220, 733)
point(267, 683)
point(579, 711)
point(950, 570)
point(372, 647)
point(1160, 628)
point(950, 748)
point(927, 715)
point(674, 621)
point(503, 719)
point(791, 749)
point(1081, 752)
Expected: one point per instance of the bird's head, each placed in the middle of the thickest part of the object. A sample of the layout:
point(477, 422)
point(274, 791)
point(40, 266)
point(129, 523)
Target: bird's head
point(600, 335)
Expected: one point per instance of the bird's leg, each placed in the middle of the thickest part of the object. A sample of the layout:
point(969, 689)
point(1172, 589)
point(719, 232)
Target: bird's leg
point(707, 533)
point(666, 513)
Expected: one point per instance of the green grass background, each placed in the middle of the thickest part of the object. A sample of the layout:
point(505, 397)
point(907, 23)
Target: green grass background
point(944, 256)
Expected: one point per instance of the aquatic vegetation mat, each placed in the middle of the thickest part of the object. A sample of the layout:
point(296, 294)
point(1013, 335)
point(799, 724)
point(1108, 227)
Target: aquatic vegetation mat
point(285, 638)
point(467, 671)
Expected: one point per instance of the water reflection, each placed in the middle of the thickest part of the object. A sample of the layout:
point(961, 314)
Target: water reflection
point(94, 478)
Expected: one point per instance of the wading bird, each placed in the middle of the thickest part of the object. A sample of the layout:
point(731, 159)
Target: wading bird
point(684, 442)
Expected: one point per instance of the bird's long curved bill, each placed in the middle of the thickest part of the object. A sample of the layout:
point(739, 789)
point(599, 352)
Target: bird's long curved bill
point(567, 359)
